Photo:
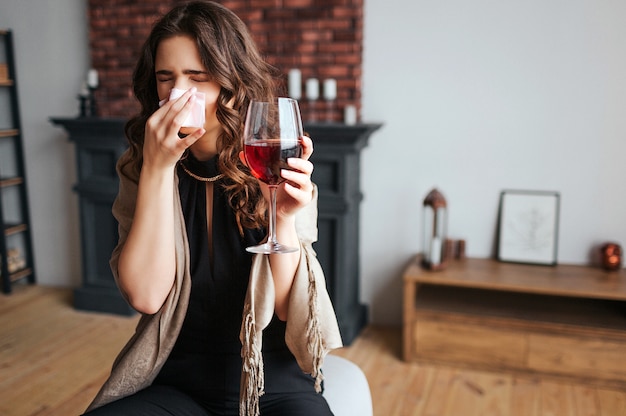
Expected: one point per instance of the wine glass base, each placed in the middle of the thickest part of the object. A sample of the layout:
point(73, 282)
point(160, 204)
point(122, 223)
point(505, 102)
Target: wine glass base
point(271, 248)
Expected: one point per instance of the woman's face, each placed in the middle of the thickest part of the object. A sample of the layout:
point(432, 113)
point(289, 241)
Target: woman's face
point(178, 65)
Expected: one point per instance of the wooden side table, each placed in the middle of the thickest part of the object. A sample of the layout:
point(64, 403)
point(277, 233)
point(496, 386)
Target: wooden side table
point(563, 321)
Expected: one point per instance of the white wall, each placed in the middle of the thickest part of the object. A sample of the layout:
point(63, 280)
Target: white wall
point(51, 47)
point(475, 97)
point(483, 96)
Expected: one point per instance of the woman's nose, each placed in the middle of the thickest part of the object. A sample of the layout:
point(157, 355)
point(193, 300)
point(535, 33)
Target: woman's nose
point(182, 84)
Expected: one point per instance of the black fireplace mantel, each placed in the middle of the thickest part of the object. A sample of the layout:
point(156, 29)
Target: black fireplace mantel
point(337, 173)
point(101, 141)
point(99, 144)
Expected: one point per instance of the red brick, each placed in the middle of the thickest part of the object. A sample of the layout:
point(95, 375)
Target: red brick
point(321, 37)
point(298, 3)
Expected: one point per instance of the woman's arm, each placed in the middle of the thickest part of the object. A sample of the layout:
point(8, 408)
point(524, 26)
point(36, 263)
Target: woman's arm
point(147, 265)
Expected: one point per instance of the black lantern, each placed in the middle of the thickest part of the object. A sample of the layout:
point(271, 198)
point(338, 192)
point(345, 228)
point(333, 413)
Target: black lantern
point(435, 230)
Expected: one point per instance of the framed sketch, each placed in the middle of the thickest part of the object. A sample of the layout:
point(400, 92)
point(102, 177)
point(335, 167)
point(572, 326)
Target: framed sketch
point(528, 227)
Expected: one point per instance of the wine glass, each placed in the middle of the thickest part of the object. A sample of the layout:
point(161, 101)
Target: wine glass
point(272, 134)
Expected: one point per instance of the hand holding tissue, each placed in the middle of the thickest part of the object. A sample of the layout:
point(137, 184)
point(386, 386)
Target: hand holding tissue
point(195, 118)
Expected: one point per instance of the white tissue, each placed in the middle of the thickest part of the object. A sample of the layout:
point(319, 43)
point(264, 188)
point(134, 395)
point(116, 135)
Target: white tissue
point(196, 117)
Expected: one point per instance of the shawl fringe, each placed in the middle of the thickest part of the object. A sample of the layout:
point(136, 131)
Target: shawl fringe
point(252, 374)
point(315, 341)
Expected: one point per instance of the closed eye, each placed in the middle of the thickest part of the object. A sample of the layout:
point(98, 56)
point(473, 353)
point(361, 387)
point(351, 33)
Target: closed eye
point(164, 76)
point(197, 76)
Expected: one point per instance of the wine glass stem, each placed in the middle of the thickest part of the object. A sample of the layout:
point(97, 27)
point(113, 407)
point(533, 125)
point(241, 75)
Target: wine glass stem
point(272, 222)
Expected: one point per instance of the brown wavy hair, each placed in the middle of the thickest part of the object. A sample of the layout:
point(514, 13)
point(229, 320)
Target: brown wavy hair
point(232, 59)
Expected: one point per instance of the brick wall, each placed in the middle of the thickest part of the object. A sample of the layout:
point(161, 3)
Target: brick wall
point(322, 38)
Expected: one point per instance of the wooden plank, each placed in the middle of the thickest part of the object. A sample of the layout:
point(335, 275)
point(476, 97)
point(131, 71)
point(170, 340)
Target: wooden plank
point(584, 317)
point(439, 393)
point(611, 403)
point(465, 344)
point(62, 379)
point(11, 182)
point(9, 132)
point(408, 318)
point(557, 399)
point(586, 401)
point(562, 280)
point(418, 381)
point(464, 397)
point(495, 391)
point(525, 397)
point(600, 360)
point(54, 362)
point(383, 383)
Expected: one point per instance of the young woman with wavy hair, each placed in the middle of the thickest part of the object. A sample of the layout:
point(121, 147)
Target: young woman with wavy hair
point(222, 331)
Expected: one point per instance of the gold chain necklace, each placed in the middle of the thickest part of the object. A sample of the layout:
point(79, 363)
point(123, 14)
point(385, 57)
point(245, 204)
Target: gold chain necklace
point(201, 178)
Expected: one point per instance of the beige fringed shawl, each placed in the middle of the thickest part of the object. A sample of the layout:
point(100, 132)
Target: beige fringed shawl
point(311, 330)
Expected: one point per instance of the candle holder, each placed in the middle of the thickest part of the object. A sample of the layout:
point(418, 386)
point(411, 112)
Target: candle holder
point(83, 100)
point(93, 108)
point(87, 103)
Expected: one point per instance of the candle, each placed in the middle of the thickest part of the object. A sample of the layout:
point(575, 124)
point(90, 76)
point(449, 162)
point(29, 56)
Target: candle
point(312, 89)
point(349, 115)
point(92, 78)
point(435, 251)
point(330, 89)
point(295, 84)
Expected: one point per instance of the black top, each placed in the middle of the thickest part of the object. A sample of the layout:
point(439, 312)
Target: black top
point(205, 362)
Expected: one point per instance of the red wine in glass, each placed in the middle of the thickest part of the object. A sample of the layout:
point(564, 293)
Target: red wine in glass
point(272, 134)
point(266, 158)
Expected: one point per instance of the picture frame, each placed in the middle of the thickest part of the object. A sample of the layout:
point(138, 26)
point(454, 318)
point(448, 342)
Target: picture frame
point(528, 227)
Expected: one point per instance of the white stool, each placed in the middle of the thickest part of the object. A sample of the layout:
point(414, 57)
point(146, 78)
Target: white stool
point(345, 388)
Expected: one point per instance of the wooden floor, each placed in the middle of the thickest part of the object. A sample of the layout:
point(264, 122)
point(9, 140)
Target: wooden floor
point(53, 359)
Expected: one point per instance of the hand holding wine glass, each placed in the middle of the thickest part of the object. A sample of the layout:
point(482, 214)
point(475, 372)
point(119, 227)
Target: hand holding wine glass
point(272, 134)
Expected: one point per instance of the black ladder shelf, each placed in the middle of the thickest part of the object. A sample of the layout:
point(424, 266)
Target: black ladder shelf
point(16, 249)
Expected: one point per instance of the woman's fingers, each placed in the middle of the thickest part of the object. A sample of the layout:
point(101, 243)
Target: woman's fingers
point(299, 174)
point(307, 147)
point(299, 165)
point(162, 142)
point(298, 183)
point(191, 138)
point(181, 109)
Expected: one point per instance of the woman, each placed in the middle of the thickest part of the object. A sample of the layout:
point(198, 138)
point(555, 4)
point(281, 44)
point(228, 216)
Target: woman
point(221, 332)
